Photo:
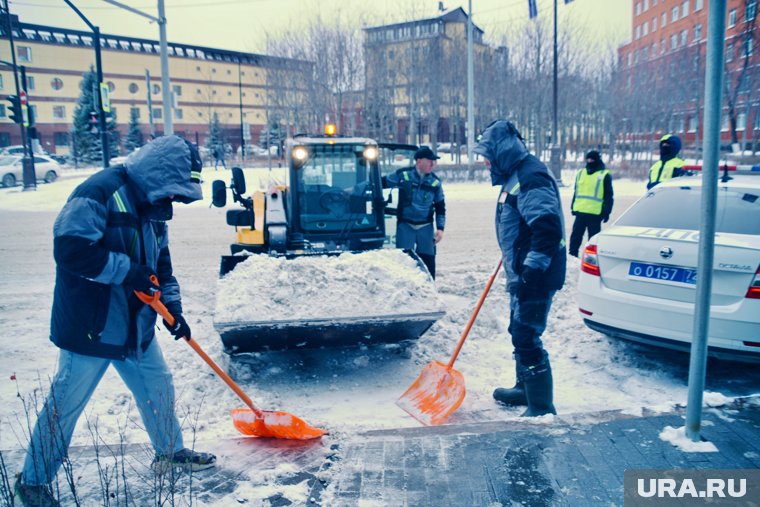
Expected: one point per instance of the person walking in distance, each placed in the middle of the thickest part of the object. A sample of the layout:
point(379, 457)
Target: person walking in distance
point(530, 233)
point(592, 200)
point(420, 200)
point(109, 240)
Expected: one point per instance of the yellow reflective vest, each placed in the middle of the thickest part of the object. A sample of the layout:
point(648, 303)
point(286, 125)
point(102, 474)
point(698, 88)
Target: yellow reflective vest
point(663, 171)
point(589, 191)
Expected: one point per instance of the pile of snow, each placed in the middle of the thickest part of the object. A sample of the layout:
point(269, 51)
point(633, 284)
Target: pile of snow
point(380, 282)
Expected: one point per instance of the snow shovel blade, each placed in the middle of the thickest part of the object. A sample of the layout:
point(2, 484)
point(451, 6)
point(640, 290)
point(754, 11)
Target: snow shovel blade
point(435, 395)
point(273, 424)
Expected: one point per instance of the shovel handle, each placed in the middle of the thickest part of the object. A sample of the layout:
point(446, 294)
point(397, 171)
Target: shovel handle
point(474, 315)
point(155, 303)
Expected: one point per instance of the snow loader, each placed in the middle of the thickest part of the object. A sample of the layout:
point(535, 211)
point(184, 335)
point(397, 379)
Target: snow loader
point(330, 207)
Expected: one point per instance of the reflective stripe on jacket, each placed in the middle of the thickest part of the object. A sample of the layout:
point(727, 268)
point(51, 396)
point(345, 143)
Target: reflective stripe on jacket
point(589, 191)
point(663, 171)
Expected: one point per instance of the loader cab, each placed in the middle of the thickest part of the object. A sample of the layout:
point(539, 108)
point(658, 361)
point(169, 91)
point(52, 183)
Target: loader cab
point(392, 158)
point(335, 197)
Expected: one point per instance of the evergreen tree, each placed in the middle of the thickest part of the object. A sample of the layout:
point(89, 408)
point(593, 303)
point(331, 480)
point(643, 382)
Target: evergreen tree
point(215, 136)
point(85, 134)
point(134, 138)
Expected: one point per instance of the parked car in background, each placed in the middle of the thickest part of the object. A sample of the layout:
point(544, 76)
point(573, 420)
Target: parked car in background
point(638, 277)
point(11, 169)
point(18, 149)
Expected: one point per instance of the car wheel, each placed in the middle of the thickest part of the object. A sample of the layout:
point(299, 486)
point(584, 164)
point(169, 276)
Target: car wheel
point(50, 176)
point(9, 180)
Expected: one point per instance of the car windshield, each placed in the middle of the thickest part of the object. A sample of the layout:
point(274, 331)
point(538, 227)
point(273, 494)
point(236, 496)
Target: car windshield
point(6, 160)
point(738, 209)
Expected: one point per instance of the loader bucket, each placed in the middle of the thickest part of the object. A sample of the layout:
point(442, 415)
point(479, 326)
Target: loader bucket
point(288, 334)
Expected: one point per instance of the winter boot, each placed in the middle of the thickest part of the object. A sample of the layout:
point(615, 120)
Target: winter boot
point(512, 396)
point(33, 496)
point(539, 389)
point(186, 459)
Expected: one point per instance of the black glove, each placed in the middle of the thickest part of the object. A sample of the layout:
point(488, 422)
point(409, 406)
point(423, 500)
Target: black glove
point(605, 218)
point(530, 282)
point(573, 213)
point(180, 329)
point(138, 278)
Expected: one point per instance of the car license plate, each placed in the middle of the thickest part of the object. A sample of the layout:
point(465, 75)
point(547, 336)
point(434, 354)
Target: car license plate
point(663, 273)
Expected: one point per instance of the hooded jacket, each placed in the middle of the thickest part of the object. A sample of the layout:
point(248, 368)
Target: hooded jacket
point(529, 222)
point(606, 187)
point(114, 219)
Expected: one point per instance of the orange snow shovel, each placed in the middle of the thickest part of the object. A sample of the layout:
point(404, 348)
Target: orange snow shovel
point(252, 420)
point(439, 390)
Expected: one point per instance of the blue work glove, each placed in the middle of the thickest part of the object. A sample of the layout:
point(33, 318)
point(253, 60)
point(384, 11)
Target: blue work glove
point(530, 282)
point(180, 329)
point(138, 278)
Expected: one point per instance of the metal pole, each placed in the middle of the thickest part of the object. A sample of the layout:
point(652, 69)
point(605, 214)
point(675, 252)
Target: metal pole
point(240, 98)
point(556, 165)
point(167, 96)
point(27, 163)
point(710, 148)
point(470, 94)
point(104, 141)
point(26, 160)
point(150, 105)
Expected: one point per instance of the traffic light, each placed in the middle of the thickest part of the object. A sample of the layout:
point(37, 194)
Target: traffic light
point(94, 122)
point(14, 109)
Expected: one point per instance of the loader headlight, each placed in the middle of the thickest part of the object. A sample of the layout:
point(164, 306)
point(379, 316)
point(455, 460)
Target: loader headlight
point(370, 153)
point(300, 153)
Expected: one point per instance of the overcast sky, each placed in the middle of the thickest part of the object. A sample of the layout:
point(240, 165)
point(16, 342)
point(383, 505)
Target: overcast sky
point(243, 24)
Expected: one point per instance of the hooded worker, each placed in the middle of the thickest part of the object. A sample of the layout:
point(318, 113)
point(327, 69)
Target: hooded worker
point(592, 200)
point(670, 165)
point(109, 240)
point(530, 232)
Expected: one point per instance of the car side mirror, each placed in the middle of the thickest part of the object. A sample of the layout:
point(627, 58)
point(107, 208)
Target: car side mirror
point(219, 194)
point(238, 181)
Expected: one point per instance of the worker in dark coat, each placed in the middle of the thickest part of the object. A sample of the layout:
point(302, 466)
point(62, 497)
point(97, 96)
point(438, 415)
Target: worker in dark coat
point(109, 240)
point(530, 232)
point(420, 201)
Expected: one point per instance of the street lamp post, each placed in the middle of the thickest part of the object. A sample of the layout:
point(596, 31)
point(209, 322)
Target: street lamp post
point(555, 162)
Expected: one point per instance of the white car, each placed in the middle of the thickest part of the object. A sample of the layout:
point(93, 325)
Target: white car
point(638, 277)
point(12, 172)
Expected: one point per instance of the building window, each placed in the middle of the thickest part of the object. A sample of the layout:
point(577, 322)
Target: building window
point(693, 122)
point(1, 81)
point(134, 111)
point(664, 19)
point(156, 89)
point(732, 18)
point(3, 114)
point(741, 121)
point(56, 83)
point(751, 11)
point(158, 113)
point(673, 42)
point(229, 93)
point(724, 123)
point(654, 50)
point(61, 138)
point(756, 121)
point(645, 28)
point(177, 89)
point(646, 5)
point(133, 88)
point(638, 32)
point(33, 112)
point(630, 59)
point(662, 46)
point(24, 53)
point(178, 114)
point(684, 37)
point(654, 24)
point(30, 84)
point(698, 33)
point(699, 4)
point(674, 15)
point(638, 8)
point(59, 112)
point(729, 51)
point(685, 9)
point(748, 47)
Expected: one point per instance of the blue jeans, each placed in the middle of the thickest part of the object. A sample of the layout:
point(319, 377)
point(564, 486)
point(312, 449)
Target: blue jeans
point(150, 382)
point(527, 322)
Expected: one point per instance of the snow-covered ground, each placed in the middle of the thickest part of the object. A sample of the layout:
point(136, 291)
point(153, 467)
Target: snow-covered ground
point(344, 390)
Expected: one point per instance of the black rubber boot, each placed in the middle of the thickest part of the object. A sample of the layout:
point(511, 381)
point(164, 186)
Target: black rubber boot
point(539, 389)
point(512, 396)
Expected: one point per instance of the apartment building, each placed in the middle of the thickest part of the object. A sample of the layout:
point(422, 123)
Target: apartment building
point(664, 65)
point(206, 83)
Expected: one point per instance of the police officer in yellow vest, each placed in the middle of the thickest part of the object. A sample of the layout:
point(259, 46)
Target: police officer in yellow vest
point(592, 200)
point(669, 166)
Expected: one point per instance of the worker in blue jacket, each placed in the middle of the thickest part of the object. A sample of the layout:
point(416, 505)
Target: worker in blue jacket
point(420, 201)
point(530, 231)
point(109, 240)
